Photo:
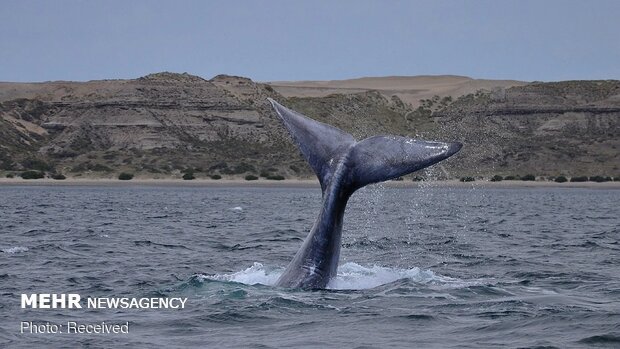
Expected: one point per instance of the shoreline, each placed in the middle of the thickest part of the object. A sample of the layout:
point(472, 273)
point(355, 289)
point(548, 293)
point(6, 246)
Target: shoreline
point(296, 183)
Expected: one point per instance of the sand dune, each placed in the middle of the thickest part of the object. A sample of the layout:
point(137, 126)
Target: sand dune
point(408, 88)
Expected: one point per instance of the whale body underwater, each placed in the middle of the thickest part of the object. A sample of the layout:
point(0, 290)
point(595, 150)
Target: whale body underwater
point(344, 165)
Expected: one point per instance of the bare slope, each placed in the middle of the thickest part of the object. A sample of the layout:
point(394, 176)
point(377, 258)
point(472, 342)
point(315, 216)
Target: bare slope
point(569, 128)
point(410, 89)
point(162, 124)
point(156, 125)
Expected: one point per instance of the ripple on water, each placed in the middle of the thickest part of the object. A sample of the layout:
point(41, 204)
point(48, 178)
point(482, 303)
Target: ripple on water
point(437, 267)
point(15, 249)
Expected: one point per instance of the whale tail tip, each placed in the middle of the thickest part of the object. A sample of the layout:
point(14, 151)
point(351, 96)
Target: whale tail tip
point(374, 159)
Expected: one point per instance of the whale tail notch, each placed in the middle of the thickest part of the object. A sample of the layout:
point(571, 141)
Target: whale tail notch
point(372, 160)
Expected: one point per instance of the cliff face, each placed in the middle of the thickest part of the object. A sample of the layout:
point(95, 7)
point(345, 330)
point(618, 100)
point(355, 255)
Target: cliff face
point(162, 118)
point(156, 111)
point(156, 125)
point(569, 128)
point(164, 123)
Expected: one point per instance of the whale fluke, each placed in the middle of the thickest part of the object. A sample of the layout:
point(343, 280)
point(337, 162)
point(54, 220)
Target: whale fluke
point(344, 165)
point(381, 158)
point(319, 143)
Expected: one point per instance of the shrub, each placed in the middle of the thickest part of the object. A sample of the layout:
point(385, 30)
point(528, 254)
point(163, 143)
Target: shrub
point(599, 179)
point(251, 178)
point(9, 175)
point(32, 174)
point(616, 179)
point(58, 176)
point(6, 162)
point(238, 169)
point(467, 179)
point(398, 179)
point(88, 166)
point(110, 155)
point(264, 174)
point(79, 168)
point(579, 179)
point(510, 178)
point(100, 168)
point(124, 176)
point(560, 179)
point(189, 176)
point(36, 164)
point(529, 177)
point(219, 166)
point(497, 178)
point(417, 179)
point(275, 177)
point(215, 176)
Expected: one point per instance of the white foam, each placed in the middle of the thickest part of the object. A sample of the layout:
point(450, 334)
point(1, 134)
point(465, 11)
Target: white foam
point(237, 208)
point(16, 249)
point(256, 274)
point(351, 276)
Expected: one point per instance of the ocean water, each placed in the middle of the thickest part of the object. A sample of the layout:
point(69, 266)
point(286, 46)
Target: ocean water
point(420, 268)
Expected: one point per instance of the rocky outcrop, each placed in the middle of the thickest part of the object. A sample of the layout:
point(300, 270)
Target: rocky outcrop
point(568, 128)
point(161, 111)
point(158, 124)
point(165, 123)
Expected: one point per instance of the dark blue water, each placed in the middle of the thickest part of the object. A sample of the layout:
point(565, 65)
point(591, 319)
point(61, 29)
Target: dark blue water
point(427, 268)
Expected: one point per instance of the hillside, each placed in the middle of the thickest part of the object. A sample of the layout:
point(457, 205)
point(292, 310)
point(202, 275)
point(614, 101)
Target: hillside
point(164, 124)
point(410, 89)
point(570, 128)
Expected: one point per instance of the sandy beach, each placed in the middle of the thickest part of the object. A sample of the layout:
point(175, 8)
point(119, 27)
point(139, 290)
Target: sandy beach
point(296, 183)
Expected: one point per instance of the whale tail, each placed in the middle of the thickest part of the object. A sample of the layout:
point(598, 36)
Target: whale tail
point(372, 160)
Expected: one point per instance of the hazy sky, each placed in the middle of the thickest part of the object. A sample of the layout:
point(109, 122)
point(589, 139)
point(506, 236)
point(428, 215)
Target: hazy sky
point(309, 40)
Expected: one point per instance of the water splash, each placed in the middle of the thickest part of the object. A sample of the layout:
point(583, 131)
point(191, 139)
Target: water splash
point(256, 274)
point(351, 276)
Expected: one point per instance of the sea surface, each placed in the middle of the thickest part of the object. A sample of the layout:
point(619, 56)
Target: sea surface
point(420, 268)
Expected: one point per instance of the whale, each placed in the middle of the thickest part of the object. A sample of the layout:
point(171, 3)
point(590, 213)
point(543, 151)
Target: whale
point(344, 165)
